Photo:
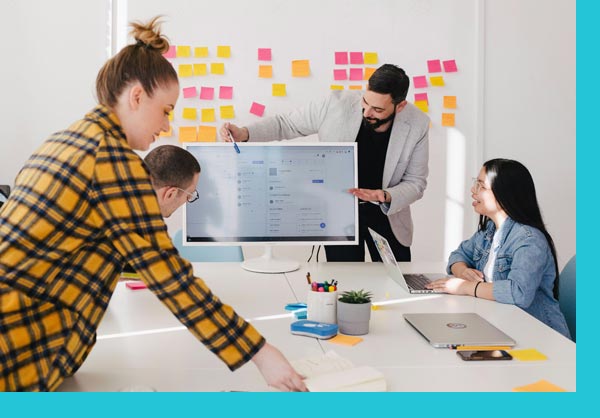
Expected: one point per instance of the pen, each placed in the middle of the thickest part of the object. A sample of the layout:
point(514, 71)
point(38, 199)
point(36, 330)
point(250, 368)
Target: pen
point(235, 146)
point(308, 278)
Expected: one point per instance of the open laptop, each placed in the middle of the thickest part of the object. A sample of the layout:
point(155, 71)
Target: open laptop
point(452, 330)
point(412, 283)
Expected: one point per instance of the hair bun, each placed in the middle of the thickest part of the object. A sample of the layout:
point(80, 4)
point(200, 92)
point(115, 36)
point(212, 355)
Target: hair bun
point(148, 34)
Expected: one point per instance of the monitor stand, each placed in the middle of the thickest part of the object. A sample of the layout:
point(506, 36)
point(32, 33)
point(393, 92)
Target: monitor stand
point(267, 264)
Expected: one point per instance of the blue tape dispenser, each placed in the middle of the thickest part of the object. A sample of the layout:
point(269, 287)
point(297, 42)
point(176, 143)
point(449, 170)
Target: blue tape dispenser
point(314, 329)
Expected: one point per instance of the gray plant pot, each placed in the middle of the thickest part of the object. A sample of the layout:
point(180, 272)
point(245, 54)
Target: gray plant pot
point(353, 318)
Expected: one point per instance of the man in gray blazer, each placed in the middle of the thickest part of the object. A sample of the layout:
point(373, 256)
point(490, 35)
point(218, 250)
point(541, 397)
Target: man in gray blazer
point(393, 153)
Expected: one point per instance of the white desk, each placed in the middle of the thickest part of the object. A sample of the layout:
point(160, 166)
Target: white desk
point(170, 359)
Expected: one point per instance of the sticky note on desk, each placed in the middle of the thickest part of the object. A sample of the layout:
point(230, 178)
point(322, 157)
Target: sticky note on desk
point(345, 340)
point(529, 354)
point(539, 386)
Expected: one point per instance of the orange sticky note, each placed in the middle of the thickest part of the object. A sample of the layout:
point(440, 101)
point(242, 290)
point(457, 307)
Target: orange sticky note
point(167, 133)
point(370, 58)
point(450, 102)
point(189, 113)
point(300, 68)
point(539, 386)
point(355, 87)
point(279, 90)
point(265, 71)
point(200, 69)
point(185, 70)
point(201, 52)
point(337, 87)
point(422, 105)
point(530, 354)
point(187, 134)
point(217, 68)
point(437, 81)
point(447, 119)
point(207, 133)
point(207, 115)
point(345, 340)
point(223, 51)
point(183, 51)
point(369, 72)
point(227, 112)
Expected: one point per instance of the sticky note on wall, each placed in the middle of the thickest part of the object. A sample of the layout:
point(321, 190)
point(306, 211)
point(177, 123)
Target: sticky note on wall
point(369, 72)
point(450, 66)
point(171, 53)
point(223, 51)
point(371, 58)
point(187, 134)
point(207, 93)
point(201, 52)
point(437, 81)
point(189, 113)
point(200, 69)
point(257, 109)
point(340, 74)
point(300, 68)
point(337, 87)
point(356, 58)
point(185, 70)
point(207, 115)
point(356, 73)
point(227, 112)
point(207, 133)
point(448, 119)
point(450, 102)
point(226, 92)
point(265, 71)
point(183, 51)
point(279, 90)
point(341, 58)
point(264, 54)
point(189, 92)
point(420, 81)
point(421, 97)
point(422, 105)
point(217, 68)
point(434, 66)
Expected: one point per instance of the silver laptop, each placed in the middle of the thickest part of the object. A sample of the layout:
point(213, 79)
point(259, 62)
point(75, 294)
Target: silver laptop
point(412, 283)
point(452, 330)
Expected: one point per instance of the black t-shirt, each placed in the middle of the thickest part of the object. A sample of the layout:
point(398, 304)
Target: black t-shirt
point(372, 148)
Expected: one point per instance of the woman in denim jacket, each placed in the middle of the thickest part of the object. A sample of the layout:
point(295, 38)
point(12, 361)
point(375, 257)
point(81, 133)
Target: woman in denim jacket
point(511, 258)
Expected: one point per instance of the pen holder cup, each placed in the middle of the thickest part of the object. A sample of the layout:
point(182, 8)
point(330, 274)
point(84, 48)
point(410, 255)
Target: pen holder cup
point(321, 306)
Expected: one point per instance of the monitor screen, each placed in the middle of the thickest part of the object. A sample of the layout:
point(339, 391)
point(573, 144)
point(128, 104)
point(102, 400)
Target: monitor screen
point(273, 193)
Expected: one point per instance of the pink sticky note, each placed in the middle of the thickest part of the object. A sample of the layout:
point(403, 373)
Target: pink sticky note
point(207, 93)
point(171, 53)
point(257, 109)
point(225, 92)
point(189, 92)
point(433, 66)
point(264, 54)
point(421, 97)
point(340, 75)
point(356, 58)
point(420, 81)
point(356, 74)
point(450, 66)
point(341, 58)
point(136, 285)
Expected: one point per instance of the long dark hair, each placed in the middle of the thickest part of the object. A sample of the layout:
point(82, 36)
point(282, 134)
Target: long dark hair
point(514, 191)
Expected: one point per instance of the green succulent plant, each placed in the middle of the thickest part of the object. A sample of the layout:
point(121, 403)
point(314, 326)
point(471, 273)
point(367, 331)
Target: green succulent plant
point(356, 296)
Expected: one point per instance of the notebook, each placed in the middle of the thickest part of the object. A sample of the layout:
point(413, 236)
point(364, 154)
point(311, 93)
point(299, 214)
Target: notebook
point(412, 283)
point(452, 330)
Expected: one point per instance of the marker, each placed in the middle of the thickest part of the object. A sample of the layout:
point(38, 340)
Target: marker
point(308, 278)
point(235, 146)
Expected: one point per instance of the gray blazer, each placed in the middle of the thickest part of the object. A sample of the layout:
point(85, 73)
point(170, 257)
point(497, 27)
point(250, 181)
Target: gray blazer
point(337, 119)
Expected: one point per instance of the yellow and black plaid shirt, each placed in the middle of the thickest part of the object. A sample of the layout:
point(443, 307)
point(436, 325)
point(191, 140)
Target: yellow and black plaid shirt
point(82, 207)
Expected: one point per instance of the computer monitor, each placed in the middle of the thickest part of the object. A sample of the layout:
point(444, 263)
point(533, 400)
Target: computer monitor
point(273, 193)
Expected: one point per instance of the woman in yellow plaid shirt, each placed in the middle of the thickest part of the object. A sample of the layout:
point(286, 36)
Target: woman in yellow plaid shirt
point(83, 206)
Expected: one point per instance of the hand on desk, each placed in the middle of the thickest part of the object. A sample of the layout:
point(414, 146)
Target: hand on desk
point(453, 286)
point(277, 371)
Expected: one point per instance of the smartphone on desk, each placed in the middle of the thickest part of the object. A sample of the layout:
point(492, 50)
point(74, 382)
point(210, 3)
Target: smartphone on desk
point(468, 355)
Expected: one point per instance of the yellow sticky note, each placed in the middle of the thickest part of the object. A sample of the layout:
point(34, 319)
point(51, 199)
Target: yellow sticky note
point(530, 354)
point(187, 134)
point(279, 90)
point(337, 87)
point(300, 68)
point(539, 386)
point(207, 115)
point(265, 71)
point(369, 72)
point(207, 133)
point(447, 119)
point(422, 105)
point(345, 340)
point(189, 113)
point(370, 58)
point(437, 80)
point(450, 102)
point(200, 69)
point(185, 70)
point(201, 52)
point(171, 115)
point(217, 68)
point(355, 87)
point(227, 112)
point(167, 133)
point(184, 51)
point(223, 51)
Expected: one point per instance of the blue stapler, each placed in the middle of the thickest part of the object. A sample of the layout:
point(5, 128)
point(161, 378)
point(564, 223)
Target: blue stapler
point(314, 329)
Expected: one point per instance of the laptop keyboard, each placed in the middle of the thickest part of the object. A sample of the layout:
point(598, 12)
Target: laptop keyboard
point(416, 281)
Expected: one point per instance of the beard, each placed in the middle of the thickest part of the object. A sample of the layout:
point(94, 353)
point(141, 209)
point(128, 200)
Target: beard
point(374, 123)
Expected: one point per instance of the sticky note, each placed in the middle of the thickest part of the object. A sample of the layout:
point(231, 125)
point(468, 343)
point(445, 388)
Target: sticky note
point(450, 102)
point(190, 113)
point(341, 58)
point(341, 339)
point(185, 70)
point(337, 87)
point(356, 74)
point(279, 90)
point(136, 285)
point(226, 92)
point(450, 66)
point(437, 81)
point(539, 386)
point(340, 74)
point(421, 97)
point(184, 51)
point(422, 105)
point(207, 115)
point(171, 115)
point(356, 58)
point(447, 119)
point(227, 112)
point(223, 51)
point(265, 71)
point(355, 87)
point(201, 52)
point(369, 72)
point(434, 66)
point(257, 109)
point(187, 134)
point(171, 53)
point(420, 81)
point(371, 58)
point(207, 93)
point(217, 68)
point(300, 68)
point(167, 133)
point(200, 69)
point(207, 133)
point(530, 354)
point(189, 92)
point(264, 54)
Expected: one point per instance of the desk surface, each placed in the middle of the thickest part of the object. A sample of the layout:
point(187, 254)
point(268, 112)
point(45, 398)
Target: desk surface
point(141, 345)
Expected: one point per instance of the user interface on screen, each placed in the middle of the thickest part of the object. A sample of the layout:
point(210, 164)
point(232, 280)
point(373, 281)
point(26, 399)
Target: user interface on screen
point(273, 192)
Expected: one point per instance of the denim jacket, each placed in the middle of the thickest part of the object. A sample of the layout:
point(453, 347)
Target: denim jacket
point(523, 272)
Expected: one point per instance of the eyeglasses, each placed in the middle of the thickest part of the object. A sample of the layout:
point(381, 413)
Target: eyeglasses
point(192, 197)
point(478, 185)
